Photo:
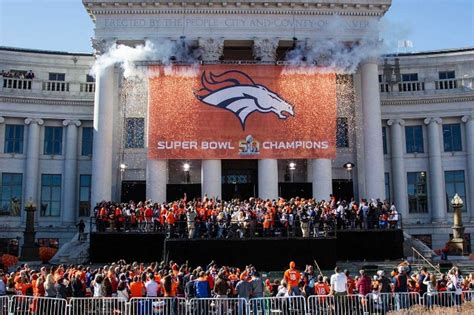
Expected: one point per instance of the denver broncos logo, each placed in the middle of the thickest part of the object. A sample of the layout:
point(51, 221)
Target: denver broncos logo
point(235, 91)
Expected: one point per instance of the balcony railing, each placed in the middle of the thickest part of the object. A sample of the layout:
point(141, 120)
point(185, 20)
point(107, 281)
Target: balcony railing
point(411, 86)
point(17, 83)
point(447, 84)
point(87, 87)
point(458, 85)
point(56, 86)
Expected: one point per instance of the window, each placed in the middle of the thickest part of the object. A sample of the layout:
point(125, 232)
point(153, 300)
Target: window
point(410, 77)
point(87, 135)
point(414, 139)
point(57, 76)
point(417, 196)
point(387, 186)
point(454, 184)
point(342, 136)
point(135, 133)
point(53, 140)
point(445, 75)
point(50, 195)
point(89, 78)
point(14, 139)
point(384, 140)
point(11, 194)
point(84, 195)
point(452, 137)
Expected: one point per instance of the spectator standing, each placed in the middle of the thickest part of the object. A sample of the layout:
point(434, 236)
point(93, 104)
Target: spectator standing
point(151, 286)
point(338, 282)
point(292, 277)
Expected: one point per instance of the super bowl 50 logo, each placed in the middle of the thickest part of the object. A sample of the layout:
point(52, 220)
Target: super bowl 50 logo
point(249, 146)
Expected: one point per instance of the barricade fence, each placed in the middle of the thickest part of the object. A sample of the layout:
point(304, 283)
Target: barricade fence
point(371, 304)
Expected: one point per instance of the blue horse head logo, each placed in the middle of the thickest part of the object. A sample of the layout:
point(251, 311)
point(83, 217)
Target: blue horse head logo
point(235, 91)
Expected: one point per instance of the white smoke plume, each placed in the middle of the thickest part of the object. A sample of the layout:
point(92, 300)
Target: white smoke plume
point(164, 52)
point(334, 55)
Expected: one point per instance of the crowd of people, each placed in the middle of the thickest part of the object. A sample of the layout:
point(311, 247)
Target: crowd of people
point(138, 280)
point(17, 74)
point(211, 218)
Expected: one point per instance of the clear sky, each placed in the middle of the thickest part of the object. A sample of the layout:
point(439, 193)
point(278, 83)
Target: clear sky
point(64, 24)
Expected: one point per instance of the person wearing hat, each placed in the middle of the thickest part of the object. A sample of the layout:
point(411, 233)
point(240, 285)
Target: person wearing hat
point(292, 277)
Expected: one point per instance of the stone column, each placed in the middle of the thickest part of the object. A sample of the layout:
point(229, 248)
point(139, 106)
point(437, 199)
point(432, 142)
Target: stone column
point(321, 178)
point(372, 130)
point(103, 135)
point(32, 160)
point(469, 121)
point(268, 179)
point(398, 175)
point(211, 172)
point(435, 171)
point(264, 50)
point(156, 180)
point(211, 48)
point(70, 173)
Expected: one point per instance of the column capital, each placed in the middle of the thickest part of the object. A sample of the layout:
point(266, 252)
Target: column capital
point(370, 60)
point(68, 122)
point(430, 120)
point(38, 121)
point(400, 122)
point(211, 48)
point(467, 118)
point(2, 119)
point(101, 46)
point(265, 49)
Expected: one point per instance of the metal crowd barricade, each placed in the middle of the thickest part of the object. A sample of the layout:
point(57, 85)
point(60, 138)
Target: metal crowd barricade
point(26, 305)
point(381, 303)
point(97, 306)
point(445, 299)
point(4, 302)
point(218, 306)
point(278, 305)
point(154, 306)
point(320, 304)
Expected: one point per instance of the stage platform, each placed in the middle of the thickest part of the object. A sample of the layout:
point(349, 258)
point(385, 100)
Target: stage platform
point(265, 253)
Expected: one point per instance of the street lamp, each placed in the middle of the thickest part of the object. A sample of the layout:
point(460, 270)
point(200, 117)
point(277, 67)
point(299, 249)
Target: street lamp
point(186, 168)
point(457, 243)
point(349, 167)
point(292, 168)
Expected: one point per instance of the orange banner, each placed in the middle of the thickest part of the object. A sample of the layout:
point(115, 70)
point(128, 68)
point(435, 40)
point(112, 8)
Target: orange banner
point(241, 111)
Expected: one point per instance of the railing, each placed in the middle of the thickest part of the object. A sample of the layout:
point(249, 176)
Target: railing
point(370, 304)
point(87, 87)
point(17, 83)
point(56, 86)
point(447, 84)
point(418, 254)
point(427, 87)
point(411, 86)
point(239, 229)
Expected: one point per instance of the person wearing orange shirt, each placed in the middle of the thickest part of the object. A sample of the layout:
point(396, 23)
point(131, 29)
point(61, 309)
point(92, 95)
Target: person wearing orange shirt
point(292, 277)
point(170, 220)
point(321, 287)
point(137, 289)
